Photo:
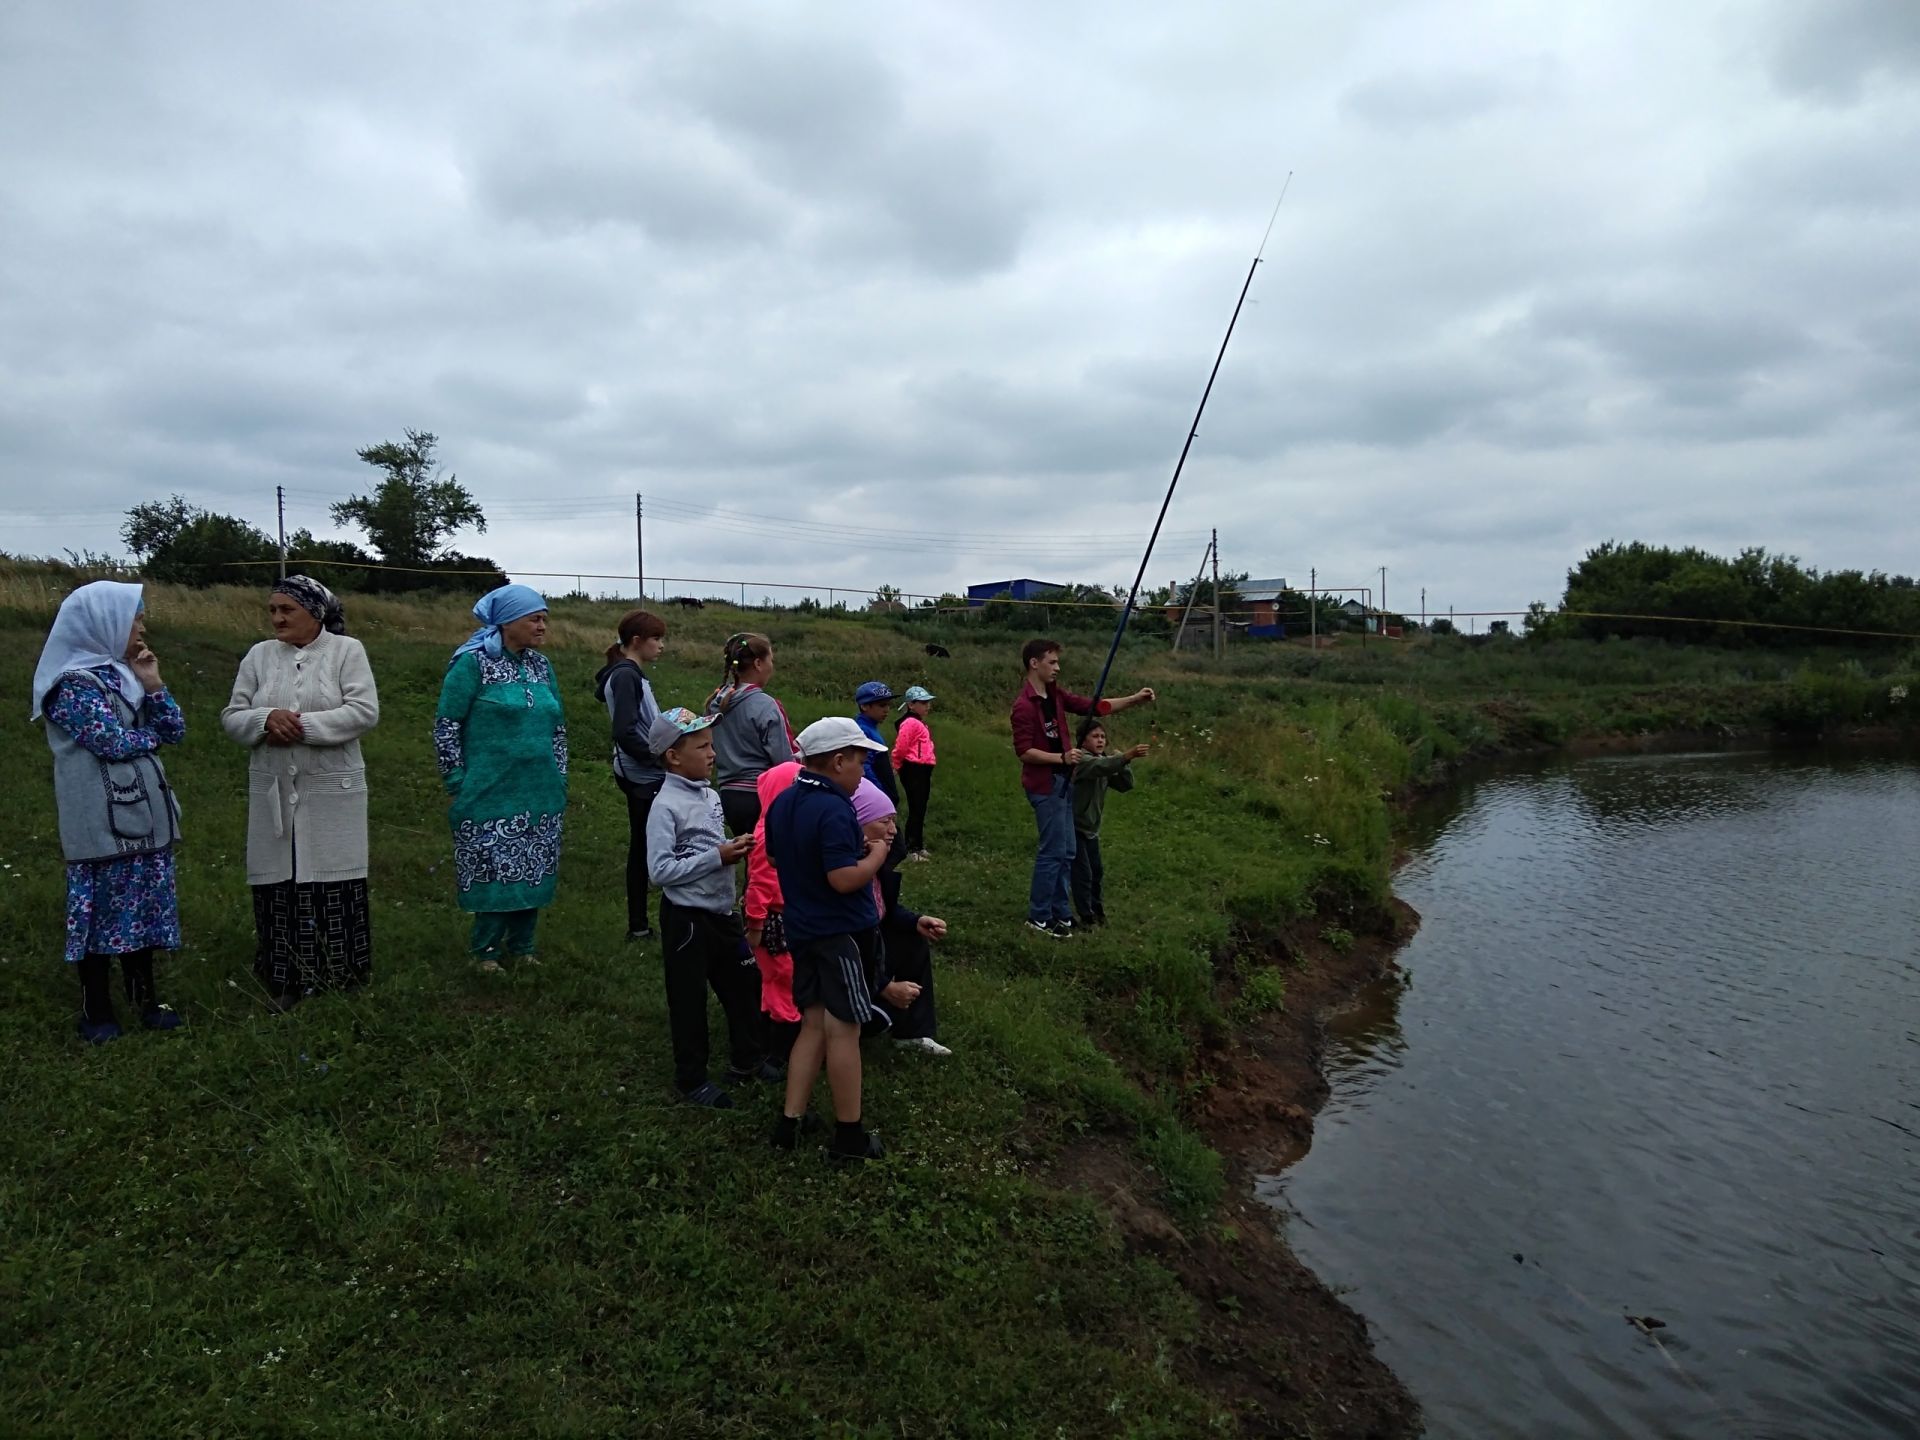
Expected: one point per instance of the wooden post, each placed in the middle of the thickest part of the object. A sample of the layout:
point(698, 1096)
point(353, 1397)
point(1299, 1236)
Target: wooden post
point(1217, 641)
point(1313, 605)
point(640, 545)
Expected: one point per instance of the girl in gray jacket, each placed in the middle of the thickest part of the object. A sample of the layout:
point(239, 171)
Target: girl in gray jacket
point(753, 734)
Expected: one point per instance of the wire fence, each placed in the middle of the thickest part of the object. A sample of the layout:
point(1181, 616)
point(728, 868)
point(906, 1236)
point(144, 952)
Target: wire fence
point(1171, 610)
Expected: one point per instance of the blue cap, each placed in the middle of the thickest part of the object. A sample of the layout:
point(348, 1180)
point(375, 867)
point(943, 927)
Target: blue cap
point(670, 727)
point(872, 693)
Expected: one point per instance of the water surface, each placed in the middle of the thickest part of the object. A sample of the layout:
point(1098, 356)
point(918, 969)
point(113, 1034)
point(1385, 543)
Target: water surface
point(1660, 1057)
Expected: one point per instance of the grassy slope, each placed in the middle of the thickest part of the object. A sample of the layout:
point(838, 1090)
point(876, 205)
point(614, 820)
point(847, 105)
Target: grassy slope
point(452, 1202)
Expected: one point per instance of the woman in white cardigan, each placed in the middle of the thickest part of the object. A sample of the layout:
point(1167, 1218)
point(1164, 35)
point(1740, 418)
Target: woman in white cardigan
point(301, 702)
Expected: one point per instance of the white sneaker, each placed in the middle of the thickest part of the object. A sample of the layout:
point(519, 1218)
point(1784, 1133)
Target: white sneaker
point(925, 1044)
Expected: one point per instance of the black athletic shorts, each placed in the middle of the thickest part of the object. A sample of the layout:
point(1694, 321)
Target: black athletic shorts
point(837, 972)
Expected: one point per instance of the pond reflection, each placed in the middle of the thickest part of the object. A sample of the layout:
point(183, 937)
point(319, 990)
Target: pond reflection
point(1659, 1060)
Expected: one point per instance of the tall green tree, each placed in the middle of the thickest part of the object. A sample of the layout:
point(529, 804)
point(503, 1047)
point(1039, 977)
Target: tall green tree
point(183, 544)
point(151, 525)
point(415, 509)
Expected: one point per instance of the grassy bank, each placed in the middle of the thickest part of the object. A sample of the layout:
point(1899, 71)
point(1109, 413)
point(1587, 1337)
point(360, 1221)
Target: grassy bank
point(452, 1202)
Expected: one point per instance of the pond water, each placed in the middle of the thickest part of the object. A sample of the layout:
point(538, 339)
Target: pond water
point(1659, 1057)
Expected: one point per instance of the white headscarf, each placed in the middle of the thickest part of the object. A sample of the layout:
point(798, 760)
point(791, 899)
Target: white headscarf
point(90, 631)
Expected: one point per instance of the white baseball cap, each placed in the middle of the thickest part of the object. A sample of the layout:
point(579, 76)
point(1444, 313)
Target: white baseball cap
point(836, 732)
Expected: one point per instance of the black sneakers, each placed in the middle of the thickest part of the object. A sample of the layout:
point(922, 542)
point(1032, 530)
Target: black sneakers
point(845, 1149)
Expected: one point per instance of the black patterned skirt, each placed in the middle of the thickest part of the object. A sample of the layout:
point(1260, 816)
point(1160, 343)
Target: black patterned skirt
point(314, 936)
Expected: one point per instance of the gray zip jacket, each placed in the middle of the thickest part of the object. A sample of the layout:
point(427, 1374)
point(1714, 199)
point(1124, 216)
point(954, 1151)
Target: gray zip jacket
point(750, 739)
point(684, 832)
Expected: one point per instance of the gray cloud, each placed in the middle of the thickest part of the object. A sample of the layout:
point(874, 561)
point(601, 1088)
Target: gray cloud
point(961, 273)
point(1830, 50)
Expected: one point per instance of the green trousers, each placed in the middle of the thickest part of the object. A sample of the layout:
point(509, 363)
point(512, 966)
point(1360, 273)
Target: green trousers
point(497, 932)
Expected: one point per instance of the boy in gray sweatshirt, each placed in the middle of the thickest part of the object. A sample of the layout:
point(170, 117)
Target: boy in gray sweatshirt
point(701, 940)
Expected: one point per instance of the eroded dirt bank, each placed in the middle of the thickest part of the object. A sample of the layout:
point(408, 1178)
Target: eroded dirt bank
point(1276, 1344)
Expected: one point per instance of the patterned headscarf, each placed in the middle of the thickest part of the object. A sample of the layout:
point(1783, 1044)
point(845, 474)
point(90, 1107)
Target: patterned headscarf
point(317, 600)
point(494, 609)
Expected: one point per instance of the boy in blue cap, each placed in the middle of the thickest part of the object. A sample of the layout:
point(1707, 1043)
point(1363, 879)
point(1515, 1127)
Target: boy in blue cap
point(873, 701)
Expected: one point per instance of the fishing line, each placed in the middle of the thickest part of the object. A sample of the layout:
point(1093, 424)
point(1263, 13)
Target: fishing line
point(1133, 595)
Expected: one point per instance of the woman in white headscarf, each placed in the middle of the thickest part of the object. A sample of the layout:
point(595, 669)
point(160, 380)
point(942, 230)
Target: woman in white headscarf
point(108, 713)
point(301, 702)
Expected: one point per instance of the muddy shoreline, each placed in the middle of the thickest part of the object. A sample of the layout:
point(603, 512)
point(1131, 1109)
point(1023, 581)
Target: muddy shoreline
point(1275, 1345)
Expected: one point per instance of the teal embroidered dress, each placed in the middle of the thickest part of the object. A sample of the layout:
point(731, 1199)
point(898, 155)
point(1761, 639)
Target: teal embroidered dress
point(500, 736)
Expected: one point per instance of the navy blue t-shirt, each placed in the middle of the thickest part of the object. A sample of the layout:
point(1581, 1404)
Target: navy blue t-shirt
point(811, 830)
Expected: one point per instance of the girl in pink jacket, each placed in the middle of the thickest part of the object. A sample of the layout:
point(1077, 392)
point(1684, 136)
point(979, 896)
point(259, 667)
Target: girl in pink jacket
point(913, 758)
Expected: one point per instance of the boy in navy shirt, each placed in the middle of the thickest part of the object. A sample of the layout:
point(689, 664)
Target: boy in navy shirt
point(826, 868)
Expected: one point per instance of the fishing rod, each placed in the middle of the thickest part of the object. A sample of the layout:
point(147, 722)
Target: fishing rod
point(1133, 595)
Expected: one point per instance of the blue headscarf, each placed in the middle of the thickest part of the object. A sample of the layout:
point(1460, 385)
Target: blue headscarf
point(497, 608)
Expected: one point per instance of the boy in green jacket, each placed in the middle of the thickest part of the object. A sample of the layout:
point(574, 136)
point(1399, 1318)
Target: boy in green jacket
point(1091, 779)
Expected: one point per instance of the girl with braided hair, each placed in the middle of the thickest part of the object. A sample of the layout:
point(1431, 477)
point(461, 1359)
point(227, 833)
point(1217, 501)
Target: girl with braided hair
point(753, 735)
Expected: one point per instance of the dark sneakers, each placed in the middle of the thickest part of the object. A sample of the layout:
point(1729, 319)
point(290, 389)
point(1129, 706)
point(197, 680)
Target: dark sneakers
point(708, 1096)
point(99, 1032)
point(851, 1149)
point(635, 936)
point(765, 1071)
point(1052, 929)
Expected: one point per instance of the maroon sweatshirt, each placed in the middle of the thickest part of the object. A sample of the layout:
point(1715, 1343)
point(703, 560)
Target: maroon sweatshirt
point(1030, 716)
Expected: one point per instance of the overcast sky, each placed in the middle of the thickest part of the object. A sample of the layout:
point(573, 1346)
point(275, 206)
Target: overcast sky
point(1547, 274)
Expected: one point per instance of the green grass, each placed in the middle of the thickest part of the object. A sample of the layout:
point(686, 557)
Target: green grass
point(452, 1203)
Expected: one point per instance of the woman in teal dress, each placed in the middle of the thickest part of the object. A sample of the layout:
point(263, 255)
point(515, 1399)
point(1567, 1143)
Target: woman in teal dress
point(500, 737)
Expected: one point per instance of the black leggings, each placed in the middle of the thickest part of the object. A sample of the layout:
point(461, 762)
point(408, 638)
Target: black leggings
point(741, 810)
point(640, 797)
point(136, 972)
point(917, 781)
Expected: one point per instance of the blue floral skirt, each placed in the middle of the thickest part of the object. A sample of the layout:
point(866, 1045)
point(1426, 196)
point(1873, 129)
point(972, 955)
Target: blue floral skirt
point(115, 906)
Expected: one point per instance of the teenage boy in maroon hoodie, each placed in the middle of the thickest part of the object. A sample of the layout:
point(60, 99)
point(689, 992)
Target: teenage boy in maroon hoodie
point(1044, 743)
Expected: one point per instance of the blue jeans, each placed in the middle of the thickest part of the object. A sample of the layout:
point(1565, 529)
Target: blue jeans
point(1051, 897)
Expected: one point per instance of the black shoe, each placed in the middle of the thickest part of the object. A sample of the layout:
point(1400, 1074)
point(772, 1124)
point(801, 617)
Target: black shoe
point(1043, 927)
point(1061, 929)
point(645, 932)
point(787, 1130)
point(868, 1147)
point(709, 1096)
point(765, 1071)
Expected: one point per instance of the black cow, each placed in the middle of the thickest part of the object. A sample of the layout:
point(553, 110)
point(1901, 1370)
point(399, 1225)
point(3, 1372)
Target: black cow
point(939, 652)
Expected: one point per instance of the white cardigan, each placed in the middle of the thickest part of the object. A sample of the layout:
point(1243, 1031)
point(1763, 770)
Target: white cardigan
point(306, 804)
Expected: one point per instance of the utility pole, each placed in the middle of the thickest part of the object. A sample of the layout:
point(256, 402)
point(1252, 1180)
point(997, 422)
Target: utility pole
point(280, 505)
point(1313, 605)
point(640, 545)
point(1383, 599)
point(1192, 595)
point(1423, 607)
point(1218, 642)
